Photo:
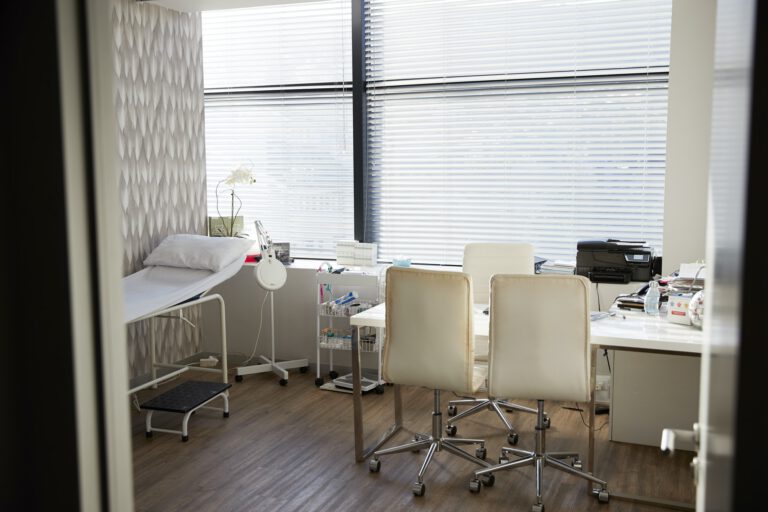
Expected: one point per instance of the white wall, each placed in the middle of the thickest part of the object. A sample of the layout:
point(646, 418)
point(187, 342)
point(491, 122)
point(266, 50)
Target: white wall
point(690, 99)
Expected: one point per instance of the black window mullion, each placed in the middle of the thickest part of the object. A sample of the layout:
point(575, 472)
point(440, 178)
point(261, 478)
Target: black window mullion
point(359, 118)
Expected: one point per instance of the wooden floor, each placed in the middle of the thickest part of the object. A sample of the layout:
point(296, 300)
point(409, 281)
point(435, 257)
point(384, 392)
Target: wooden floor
point(291, 448)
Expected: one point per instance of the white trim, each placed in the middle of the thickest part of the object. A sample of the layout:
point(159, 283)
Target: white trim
point(109, 249)
point(78, 244)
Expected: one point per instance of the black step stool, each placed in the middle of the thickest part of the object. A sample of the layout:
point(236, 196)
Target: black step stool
point(185, 399)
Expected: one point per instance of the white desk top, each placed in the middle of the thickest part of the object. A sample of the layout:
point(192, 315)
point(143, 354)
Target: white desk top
point(628, 330)
point(638, 331)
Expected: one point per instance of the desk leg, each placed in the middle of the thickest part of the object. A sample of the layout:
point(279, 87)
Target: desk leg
point(592, 383)
point(357, 394)
point(362, 453)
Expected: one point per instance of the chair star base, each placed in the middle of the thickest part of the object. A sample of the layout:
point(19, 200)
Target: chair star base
point(539, 459)
point(435, 443)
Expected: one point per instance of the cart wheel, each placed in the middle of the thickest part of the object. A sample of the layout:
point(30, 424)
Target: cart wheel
point(238, 378)
point(603, 496)
point(148, 434)
point(184, 439)
point(488, 480)
point(474, 486)
point(379, 390)
point(418, 488)
point(374, 465)
point(333, 374)
point(283, 382)
point(319, 381)
point(225, 414)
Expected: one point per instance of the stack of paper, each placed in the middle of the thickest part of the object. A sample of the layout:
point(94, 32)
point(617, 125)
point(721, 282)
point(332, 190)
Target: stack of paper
point(558, 267)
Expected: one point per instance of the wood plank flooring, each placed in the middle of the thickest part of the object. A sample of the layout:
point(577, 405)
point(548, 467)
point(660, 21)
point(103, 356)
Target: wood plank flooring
point(291, 448)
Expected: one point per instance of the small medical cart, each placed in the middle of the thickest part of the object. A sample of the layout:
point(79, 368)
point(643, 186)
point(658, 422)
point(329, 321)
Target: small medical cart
point(340, 296)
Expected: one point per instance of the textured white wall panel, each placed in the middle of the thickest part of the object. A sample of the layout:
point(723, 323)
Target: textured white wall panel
point(161, 145)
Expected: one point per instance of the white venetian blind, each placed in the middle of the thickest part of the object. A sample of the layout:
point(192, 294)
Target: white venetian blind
point(497, 120)
point(278, 99)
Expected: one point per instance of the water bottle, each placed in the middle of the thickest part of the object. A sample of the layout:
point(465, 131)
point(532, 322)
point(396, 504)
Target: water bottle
point(651, 305)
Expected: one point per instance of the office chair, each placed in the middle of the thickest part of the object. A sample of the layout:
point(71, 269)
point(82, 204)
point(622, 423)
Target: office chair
point(543, 322)
point(430, 343)
point(481, 262)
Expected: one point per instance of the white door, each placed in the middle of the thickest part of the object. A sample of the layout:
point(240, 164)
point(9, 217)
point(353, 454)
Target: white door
point(726, 247)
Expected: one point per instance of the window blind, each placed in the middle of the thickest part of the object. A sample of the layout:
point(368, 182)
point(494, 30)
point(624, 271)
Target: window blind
point(522, 121)
point(278, 100)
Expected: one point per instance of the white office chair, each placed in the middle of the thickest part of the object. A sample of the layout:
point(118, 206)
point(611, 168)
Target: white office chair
point(481, 262)
point(543, 323)
point(430, 343)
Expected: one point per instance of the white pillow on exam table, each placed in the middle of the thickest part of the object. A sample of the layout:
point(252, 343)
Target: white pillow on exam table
point(198, 251)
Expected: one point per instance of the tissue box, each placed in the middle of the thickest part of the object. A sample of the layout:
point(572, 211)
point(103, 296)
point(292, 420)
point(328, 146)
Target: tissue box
point(677, 311)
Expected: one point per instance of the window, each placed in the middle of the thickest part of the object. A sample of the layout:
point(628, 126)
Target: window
point(497, 120)
point(278, 99)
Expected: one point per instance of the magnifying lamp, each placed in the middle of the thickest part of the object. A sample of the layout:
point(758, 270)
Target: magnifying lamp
point(270, 275)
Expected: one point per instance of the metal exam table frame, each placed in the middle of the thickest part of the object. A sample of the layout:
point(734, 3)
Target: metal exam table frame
point(180, 368)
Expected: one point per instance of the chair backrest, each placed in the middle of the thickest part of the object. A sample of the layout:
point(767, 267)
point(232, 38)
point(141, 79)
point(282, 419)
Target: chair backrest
point(539, 337)
point(429, 329)
point(483, 260)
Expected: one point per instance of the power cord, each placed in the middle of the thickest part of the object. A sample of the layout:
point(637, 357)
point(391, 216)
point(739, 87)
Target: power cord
point(258, 334)
point(581, 415)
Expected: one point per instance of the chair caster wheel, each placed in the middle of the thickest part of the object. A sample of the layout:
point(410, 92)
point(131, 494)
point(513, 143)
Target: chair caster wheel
point(374, 465)
point(333, 374)
point(577, 464)
point(512, 438)
point(481, 453)
point(488, 480)
point(304, 369)
point(547, 422)
point(539, 507)
point(418, 488)
point(451, 430)
point(452, 410)
point(283, 382)
point(474, 486)
point(319, 381)
point(603, 496)
point(238, 378)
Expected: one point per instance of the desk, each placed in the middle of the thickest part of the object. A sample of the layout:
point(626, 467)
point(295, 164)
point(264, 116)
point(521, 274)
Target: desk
point(638, 332)
point(624, 331)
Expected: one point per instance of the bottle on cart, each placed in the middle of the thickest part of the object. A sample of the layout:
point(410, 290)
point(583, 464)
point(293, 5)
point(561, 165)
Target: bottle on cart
point(652, 297)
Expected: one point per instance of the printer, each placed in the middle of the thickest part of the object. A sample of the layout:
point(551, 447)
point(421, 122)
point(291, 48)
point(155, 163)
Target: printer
point(608, 260)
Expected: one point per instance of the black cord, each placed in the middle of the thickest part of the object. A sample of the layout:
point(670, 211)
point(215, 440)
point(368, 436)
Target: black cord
point(581, 415)
point(597, 291)
point(607, 359)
